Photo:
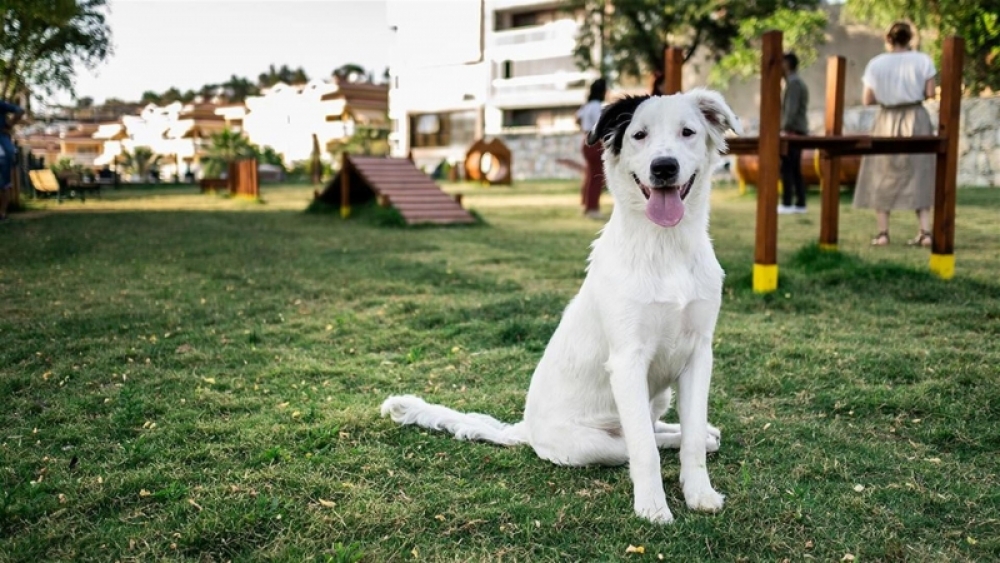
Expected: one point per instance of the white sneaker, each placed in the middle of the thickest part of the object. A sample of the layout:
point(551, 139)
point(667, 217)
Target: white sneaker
point(798, 209)
point(785, 210)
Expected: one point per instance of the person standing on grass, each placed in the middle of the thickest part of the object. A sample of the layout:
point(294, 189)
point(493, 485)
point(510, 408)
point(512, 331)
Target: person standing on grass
point(898, 81)
point(8, 158)
point(794, 121)
point(593, 181)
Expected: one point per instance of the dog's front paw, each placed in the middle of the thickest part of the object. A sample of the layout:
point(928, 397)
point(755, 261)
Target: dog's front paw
point(703, 499)
point(655, 512)
point(712, 443)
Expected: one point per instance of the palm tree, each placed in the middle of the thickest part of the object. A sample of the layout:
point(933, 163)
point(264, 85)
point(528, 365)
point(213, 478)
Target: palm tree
point(140, 161)
point(224, 147)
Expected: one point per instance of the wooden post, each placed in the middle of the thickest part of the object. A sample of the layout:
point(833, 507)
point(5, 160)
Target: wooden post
point(830, 165)
point(232, 176)
point(765, 267)
point(942, 262)
point(673, 63)
point(345, 186)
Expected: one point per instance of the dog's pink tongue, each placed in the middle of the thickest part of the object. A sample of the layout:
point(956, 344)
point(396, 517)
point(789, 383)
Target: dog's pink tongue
point(665, 207)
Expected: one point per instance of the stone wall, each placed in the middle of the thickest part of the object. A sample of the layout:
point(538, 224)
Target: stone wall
point(537, 157)
point(978, 145)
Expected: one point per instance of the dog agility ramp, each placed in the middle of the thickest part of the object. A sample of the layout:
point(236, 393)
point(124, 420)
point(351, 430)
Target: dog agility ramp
point(394, 182)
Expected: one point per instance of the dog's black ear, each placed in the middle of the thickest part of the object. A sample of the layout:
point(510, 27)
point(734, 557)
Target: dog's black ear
point(614, 120)
point(717, 114)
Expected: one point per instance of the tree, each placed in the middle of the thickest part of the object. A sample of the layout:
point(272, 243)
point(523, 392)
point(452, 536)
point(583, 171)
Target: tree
point(224, 147)
point(84, 102)
point(802, 30)
point(284, 74)
point(267, 155)
point(171, 95)
point(350, 72)
point(42, 42)
point(151, 97)
point(237, 88)
point(977, 21)
point(632, 34)
point(140, 161)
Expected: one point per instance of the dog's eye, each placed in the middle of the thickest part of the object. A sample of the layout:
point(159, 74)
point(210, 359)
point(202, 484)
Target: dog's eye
point(687, 132)
point(639, 135)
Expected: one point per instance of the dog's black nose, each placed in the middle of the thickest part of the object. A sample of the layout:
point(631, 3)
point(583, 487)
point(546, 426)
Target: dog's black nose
point(664, 169)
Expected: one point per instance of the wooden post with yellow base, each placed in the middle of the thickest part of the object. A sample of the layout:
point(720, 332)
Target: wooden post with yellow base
point(345, 186)
point(765, 267)
point(942, 262)
point(829, 176)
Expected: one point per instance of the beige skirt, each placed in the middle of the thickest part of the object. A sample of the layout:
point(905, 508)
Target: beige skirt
point(888, 182)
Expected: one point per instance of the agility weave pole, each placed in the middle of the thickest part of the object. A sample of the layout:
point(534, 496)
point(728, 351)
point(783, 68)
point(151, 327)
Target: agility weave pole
point(769, 146)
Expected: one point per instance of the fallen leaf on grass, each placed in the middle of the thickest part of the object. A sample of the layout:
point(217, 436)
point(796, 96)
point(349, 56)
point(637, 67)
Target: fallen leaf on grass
point(195, 504)
point(847, 557)
point(633, 549)
point(933, 460)
point(209, 380)
point(859, 488)
point(144, 493)
point(971, 540)
point(183, 349)
point(327, 503)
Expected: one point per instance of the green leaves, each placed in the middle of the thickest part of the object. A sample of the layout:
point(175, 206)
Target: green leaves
point(633, 35)
point(42, 41)
point(977, 21)
point(803, 31)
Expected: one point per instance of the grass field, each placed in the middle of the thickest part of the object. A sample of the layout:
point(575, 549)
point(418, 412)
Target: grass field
point(188, 377)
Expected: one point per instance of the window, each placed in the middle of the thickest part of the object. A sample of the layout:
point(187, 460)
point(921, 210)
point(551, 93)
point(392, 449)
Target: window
point(442, 129)
point(542, 119)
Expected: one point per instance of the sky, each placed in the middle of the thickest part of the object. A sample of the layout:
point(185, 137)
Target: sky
point(189, 43)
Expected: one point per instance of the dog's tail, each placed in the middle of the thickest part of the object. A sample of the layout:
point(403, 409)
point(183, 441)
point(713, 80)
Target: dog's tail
point(407, 409)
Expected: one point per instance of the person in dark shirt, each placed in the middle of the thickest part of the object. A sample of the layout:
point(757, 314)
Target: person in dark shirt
point(7, 159)
point(793, 122)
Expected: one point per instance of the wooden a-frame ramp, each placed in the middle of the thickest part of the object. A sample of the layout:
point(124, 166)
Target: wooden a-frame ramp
point(393, 182)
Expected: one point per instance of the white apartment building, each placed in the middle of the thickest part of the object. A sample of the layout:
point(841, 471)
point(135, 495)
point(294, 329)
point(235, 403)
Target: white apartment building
point(482, 69)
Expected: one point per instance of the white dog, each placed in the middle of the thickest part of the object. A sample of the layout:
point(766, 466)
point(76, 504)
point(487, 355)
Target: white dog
point(642, 321)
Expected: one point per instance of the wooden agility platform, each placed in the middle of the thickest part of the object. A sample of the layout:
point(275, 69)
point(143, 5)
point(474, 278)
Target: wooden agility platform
point(769, 145)
point(393, 182)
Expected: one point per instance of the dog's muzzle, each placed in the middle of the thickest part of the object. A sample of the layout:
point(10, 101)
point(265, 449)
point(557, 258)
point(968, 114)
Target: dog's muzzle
point(646, 190)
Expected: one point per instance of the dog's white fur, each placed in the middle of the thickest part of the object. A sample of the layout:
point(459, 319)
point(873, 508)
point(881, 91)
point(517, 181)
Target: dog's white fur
point(642, 323)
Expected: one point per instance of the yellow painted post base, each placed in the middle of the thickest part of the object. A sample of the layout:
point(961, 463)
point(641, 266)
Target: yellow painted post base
point(765, 278)
point(345, 211)
point(943, 265)
point(828, 247)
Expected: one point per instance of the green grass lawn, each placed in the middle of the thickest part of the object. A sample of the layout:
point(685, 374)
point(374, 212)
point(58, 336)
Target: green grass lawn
point(188, 377)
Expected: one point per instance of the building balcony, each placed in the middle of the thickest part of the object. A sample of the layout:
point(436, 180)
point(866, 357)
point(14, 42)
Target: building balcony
point(558, 88)
point(556, 39)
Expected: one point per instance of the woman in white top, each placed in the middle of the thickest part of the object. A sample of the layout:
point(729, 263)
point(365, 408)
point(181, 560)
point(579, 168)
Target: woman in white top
point(593, 182)
point(899, 81)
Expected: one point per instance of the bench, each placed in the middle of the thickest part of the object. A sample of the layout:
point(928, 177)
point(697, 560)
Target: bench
point(214, 184)
point(46, 184)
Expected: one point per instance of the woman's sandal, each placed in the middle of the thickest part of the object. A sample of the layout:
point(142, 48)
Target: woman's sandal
point(922, 239)
point(881, 239)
